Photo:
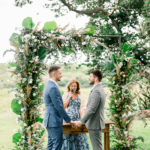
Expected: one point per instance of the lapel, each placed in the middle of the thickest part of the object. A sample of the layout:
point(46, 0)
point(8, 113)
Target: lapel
point(91, 92)
point(54, 84)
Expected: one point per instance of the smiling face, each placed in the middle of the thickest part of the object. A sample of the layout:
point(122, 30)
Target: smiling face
point(91, 79)
point(73, 87)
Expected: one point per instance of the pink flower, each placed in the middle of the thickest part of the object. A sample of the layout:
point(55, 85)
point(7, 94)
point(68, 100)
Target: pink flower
point(19, 79)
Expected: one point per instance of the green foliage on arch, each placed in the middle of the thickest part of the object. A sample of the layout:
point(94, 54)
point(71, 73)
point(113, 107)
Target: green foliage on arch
point(16, 137)
point(28, 23)
point(15, 106)
point(49, 26)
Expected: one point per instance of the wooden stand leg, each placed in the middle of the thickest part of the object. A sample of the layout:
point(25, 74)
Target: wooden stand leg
point(105, 143)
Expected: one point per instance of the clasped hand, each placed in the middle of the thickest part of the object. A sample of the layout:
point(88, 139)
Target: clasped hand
point(75, 124)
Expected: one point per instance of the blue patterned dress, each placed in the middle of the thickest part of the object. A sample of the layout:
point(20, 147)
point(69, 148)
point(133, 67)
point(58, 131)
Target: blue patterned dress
point(74, 141)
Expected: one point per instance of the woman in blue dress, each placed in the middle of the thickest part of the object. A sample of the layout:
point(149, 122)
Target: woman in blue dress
point(75, 107)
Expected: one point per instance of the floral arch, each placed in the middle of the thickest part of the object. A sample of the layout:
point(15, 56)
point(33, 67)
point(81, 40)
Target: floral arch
point(33, 47)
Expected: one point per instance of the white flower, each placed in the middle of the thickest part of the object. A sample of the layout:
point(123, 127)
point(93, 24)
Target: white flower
point(83, 43)
point(22, 109)
point(127, 59)
point(8, 81)
point(40, 68)
point(40, 84)
point(30, 81)
point(19, 102)
point(87, 37)
point(35, 40)
point(124, 75)
point(115, 101)
point(31, 61)
point(52, 31)
point(18, 143)
point(15, 130)
point(34, 50)
point(34, 94)
point(113, 82)
point(18, 74)
point(42, 42)
point(26, 36)
point(129, 113)
point(120, 64)
point(22, 95)
point(23, 137)
point(25, 124)
point(36, 60)
point(36, 57)
point(33, 37)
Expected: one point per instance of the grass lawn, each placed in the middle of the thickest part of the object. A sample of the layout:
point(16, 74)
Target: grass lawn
point(8, 123)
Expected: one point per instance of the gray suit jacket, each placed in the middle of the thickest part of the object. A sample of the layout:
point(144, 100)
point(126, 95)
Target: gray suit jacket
point(94, 116)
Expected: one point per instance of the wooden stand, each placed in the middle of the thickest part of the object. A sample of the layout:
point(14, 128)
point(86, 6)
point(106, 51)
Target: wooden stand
point(67, 129)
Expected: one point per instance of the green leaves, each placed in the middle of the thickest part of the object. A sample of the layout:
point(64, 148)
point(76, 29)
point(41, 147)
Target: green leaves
point(42, 53)
point(16, 39)
point(125, 47)
point(113, 58)
point(28, 23)
point(41, 87)
point(15, 106)
point(92, 31)
point(38, 119)
point(51, 25)
point(16, 137)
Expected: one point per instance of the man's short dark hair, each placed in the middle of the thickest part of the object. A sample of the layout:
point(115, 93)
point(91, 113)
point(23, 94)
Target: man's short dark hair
point(52, 69)
point(97, 73)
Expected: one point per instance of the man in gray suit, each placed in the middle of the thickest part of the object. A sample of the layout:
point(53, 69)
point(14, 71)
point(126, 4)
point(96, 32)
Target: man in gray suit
point(94, 116)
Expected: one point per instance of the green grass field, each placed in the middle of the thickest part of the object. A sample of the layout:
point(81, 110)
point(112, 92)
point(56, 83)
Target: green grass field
point(7, 118)
point(8, 123)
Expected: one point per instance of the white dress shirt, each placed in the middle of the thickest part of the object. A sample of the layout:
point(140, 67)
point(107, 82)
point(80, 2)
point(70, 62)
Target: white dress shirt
point(54, 82)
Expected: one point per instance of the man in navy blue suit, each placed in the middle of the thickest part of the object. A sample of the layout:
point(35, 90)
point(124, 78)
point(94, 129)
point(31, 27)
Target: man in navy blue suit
point(55, 112)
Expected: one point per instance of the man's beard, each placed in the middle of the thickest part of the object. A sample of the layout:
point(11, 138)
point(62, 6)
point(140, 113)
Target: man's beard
point(58, 79)
point(91, 82)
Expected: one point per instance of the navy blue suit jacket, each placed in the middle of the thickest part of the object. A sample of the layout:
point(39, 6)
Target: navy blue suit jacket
point(55, 112)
